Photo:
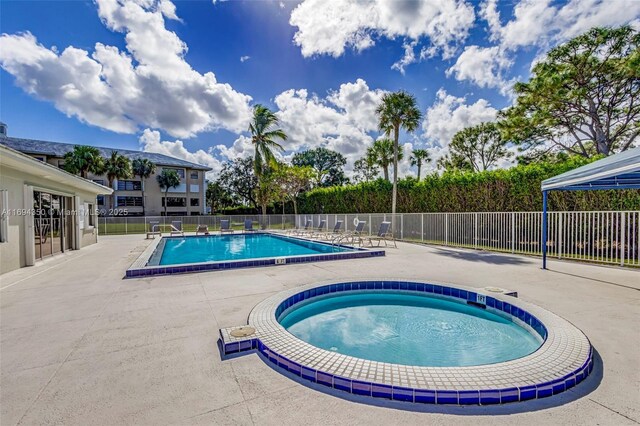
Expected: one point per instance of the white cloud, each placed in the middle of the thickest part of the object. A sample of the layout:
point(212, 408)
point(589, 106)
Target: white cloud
point(331, 27)
point(244, 58)
point(408, 58)
point(282, 5)
point(149, 85)
point(450, 114)
point(483, 66)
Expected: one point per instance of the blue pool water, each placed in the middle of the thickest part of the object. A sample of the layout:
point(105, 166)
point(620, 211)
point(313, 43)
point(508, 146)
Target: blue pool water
point(238, 247)
point(402, 328)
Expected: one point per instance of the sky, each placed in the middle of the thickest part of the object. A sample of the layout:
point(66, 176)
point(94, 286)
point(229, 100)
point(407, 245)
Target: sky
point(180, 78)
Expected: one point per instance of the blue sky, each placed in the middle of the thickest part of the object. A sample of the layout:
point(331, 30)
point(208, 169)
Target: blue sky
point(135, 74)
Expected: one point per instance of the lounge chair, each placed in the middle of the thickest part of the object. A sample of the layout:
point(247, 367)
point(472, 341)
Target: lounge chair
point(153, 230)
point(225, 226)
point(384, 234)
point(314, 233)
point(307, 226)
point(176, 228)
point(352, 236)
point(202, 229)
point(334, 233)
point(248, 226)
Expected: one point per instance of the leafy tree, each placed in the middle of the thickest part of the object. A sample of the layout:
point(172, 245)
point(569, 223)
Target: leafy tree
point(397, 111)
point(382, 153)
point(117, 166)
point(264, 136)
point(476, 148)
point(366, 169)
point(418, 158)
point(143, 168)
point(217, 196)
point(268, 189)
point(83, 160)
point(583, 98)
point(238, 178)
point(167, 179)
point(293, 180)
point(328, 165)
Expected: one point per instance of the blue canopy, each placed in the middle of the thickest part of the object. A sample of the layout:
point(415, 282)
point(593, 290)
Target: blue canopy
point(619, 171)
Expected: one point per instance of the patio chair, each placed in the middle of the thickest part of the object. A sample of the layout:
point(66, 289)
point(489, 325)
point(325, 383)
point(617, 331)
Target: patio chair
point(384, 234)
point(153, 230)
point(202, 229)
point(335, 232)
point(314, 233)
point(248, 226)
point(176, 228)
point(225, 226)
point(307, 226)
point(354, 235)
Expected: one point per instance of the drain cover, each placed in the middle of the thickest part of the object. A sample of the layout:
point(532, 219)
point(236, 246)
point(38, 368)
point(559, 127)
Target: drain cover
point(243, 332)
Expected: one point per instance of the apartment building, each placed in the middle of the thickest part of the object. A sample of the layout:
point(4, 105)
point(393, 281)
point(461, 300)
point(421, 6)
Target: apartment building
point(187, 199)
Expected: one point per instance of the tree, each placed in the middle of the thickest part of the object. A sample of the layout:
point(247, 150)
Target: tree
point(418, 158)
point(268, 189)
point(583, 98)
point(167, 179)
point(366, 169)
point(293, 180)
point(476, 148)
point(239, 179)
point(263, 137)
point(217, 196)
point(328, 165)
point(397, 111)
point(117, 166)
point(83, 160)
point(143, 168)
point(382, 153)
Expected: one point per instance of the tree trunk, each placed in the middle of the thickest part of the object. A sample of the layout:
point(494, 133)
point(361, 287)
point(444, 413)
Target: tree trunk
point(165, 201)
point(295, 207)
point(113, 197)
point(142, 186)
point(385, 170)
point(419, 167)
point(394, 196)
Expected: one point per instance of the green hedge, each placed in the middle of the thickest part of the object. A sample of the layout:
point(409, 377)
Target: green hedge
point(514, 189)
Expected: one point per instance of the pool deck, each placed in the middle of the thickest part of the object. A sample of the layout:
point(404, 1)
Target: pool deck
point(81, 345)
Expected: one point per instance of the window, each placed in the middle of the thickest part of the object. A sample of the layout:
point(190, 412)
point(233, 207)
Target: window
point(129, 201)
point(60, 165)
point(174, 202)
point(39, 158)
point(179, 171)
point(101, 200)
point(129, 185)
point(194, 175)
point(195, 202)
point(91, 210)
point(99, 181)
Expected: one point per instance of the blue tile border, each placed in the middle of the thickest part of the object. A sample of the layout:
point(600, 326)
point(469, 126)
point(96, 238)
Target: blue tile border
point(480, 396)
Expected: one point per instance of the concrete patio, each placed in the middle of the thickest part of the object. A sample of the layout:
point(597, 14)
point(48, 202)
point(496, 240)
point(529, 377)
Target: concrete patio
point(80, 345)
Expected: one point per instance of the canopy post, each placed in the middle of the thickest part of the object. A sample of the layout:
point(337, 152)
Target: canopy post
point(544, 229)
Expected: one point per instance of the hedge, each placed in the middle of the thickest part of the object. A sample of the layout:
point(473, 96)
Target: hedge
point(504, 190)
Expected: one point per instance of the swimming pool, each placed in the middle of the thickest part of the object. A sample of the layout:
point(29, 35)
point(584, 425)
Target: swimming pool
point(171, 255)
point(410, 329)
point(554, 355)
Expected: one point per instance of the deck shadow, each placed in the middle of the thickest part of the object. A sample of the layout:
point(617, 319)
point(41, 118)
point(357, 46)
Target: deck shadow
point(481, 256)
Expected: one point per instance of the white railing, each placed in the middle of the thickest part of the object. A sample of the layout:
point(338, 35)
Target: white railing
point(595, 236)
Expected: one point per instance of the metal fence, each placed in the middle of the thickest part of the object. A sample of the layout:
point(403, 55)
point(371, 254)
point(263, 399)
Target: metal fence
point(595, 236)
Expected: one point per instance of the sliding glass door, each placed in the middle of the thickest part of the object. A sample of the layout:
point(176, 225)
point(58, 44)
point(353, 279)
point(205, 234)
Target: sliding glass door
point(52, 223)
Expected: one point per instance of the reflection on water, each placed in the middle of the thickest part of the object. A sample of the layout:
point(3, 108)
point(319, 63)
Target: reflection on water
point(409, 329)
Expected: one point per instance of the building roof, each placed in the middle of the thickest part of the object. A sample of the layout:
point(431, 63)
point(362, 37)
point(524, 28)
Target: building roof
point(58, 149)
point(17, 160)
point(619, 171)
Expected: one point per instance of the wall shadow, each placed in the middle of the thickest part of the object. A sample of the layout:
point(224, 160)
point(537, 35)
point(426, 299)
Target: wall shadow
point(481, 256)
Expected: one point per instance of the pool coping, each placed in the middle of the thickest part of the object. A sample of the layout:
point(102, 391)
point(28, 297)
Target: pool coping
point(564, 359)
point(141, 267)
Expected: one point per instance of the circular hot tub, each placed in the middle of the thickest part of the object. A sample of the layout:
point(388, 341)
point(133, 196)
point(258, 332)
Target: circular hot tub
point(421, 342)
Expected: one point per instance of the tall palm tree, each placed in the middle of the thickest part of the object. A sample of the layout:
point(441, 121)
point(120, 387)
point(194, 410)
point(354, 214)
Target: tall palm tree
point(167, 179)
point(143, 168)
point(84, 159)
point(382, 153)
point(418, 158)
point(117, 166)
point(397, 110)
point(264, 134)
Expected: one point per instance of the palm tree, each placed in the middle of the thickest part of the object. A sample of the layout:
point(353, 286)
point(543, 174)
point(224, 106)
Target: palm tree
point(382, 154)
point(263, 137)
point(167, 179)
point(84, 159)
point(117, 166)
point(418, 158)
point(397, 110)
point(143, 168)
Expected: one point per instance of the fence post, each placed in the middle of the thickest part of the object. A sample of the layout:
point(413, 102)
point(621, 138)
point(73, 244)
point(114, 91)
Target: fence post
point(623, 228)
point(446, 229)
point(422, 227)
point(475, 232)
point(126, 229)
point(561, 236)
point(402, 226)
point(513, 232)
